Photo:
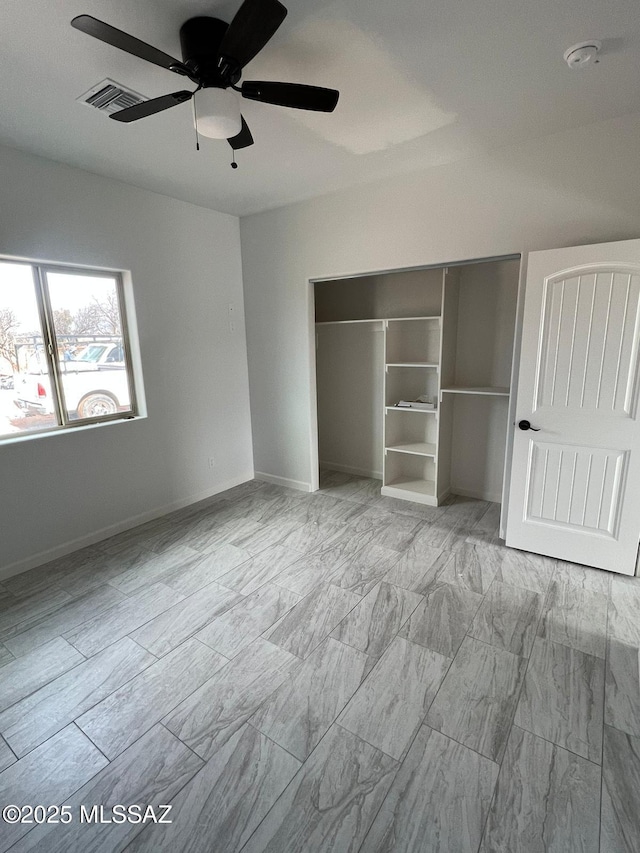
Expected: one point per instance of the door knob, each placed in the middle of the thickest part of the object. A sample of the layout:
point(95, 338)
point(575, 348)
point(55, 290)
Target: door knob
point(526, 425)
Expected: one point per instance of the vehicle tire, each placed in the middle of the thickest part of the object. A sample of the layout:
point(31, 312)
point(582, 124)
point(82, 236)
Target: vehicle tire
point(96, 405)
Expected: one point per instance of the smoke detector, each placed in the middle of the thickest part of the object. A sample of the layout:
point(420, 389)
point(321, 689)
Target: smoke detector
point(583, 54)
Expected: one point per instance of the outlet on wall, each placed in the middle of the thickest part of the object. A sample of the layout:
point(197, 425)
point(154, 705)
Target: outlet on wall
point(211, 462)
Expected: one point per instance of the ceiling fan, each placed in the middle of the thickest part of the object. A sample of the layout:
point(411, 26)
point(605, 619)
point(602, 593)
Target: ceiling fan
point(213, 56)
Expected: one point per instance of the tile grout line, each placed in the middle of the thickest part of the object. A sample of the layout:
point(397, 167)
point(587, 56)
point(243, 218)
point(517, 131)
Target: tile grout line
point(525, 673)
point(73, 721)
point(557, 745)
point(46, 683)
point(138, 592)
point(11, 750)
point(172, 734)
point(604, 706)
point(301, 761)
point(301, 769)
point(142, 671)
point(397, 634)
point(452, 659)
point(408, 749)
point(90, 739)
point(45, 615)
point(293, 608)
point(67, 630)
point(515, 709)
point(184, 639)
point(75, 791)
point(46, 740)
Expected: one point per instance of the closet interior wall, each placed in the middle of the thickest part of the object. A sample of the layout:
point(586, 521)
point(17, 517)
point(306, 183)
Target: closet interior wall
point(350, 387)
point(479, 315)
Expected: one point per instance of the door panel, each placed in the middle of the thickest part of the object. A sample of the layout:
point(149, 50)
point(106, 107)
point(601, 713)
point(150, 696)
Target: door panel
point(575, 484)
point(589, 341)
point(575, 487)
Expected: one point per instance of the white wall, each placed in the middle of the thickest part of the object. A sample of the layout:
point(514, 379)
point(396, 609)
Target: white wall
point(478, 434)
point(574, 187)
point(408, 294)
point(60, 491)
point(488, 295)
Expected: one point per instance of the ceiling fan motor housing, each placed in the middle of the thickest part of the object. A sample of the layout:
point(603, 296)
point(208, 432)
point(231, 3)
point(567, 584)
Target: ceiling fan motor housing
point(200, 39)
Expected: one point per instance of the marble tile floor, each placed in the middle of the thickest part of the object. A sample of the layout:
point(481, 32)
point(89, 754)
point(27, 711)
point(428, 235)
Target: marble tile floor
point(305, 673)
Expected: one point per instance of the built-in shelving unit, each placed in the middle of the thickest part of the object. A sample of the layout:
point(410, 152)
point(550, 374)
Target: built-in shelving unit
point(457, 354)
point(412, 369)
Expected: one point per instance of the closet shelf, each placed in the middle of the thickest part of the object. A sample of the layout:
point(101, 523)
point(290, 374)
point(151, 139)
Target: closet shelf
point(422, 448)
point(412, 364)
point(488, 391)
point(374, 320)
point(409, 319)
point(407, 409)
point(345, 322)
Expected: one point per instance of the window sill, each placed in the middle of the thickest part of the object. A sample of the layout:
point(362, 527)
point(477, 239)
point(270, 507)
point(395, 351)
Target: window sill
point(18, 438)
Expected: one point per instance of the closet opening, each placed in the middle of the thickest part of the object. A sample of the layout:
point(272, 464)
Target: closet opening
point(414, 378)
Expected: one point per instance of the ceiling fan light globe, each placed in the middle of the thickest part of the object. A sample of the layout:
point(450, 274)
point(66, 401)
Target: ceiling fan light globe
point(218, 113)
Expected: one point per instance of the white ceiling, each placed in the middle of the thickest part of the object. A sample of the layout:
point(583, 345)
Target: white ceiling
point(422, 83)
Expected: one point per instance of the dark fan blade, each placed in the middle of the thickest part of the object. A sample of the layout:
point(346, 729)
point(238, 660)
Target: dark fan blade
point(112, 36)
point(254, 24)
point(243, 139)
point(295, 95)
point(149, 108)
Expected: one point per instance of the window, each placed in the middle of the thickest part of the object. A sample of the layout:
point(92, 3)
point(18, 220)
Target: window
point(64, 349)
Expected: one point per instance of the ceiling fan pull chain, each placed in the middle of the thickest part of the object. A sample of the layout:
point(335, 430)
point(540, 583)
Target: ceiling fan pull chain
point(234, 165)
point(195, 119)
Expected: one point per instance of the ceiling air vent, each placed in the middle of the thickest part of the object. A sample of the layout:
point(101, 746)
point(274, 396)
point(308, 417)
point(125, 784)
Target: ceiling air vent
point(109, 97)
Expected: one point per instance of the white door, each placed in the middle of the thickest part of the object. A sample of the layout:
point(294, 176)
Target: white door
point(575, 484)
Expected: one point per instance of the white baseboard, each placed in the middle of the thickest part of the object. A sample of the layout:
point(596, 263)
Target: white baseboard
point(494, 497)
point(119, 527)
point(282, 481)
point(348, 469)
